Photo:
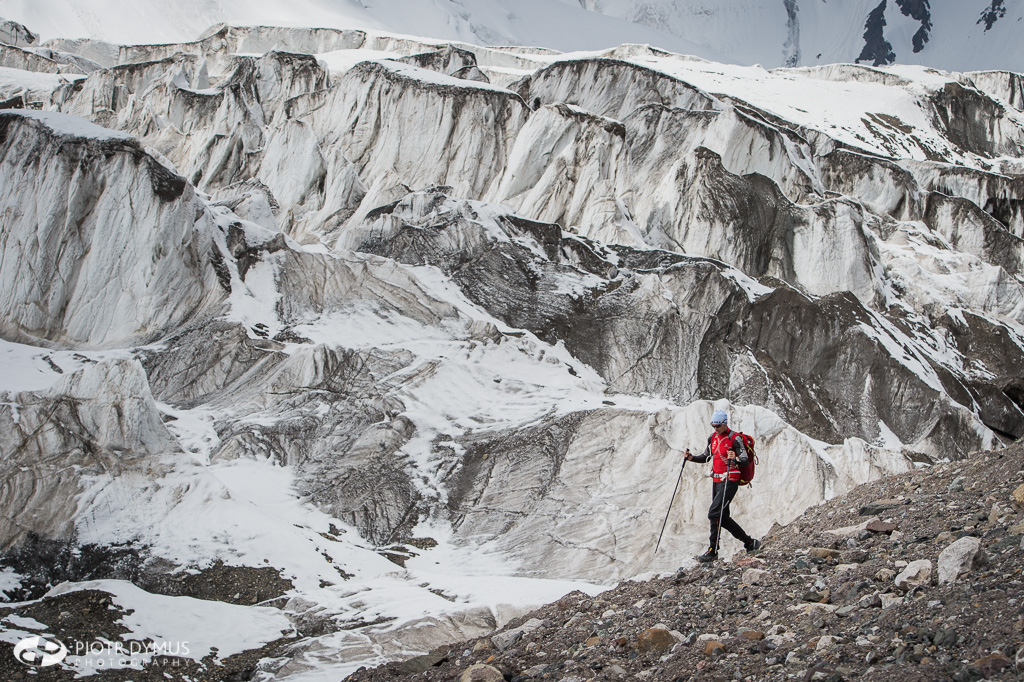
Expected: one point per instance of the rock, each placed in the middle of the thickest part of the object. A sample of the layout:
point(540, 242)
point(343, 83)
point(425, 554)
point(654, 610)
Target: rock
point(850, 532)
point(1016, 529)
point(993, 664)
point(483, 644)
point(854, 556)
point(968, 673)
point(870, 601)
point(503, 640)
point(844, 611)
point(420, 664)
point(825, 642)
point(881, 527)
point(752, 635)
point(959, 558)
point(615, 670)
point(536, 671)
point(945, 536)
point(1018, 494)
point(957, 485)
point(593, 641)
point(916, 573)
point(823, 553)
point(890, 600)
point(812, 609)
point(713, 647)
point(884, 575)
point(815, 597)
point(878, 506)
point(945, 637)
point(482, 672)
point(753, 576)
point(655, 639)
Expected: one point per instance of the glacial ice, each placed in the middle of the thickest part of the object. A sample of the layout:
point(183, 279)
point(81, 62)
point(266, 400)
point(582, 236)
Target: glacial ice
point(304, 298)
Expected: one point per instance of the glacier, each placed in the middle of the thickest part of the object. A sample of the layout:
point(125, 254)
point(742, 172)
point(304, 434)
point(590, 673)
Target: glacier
point(419, 328)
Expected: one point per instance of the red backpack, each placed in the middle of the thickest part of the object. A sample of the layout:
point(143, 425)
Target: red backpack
point(746, 470)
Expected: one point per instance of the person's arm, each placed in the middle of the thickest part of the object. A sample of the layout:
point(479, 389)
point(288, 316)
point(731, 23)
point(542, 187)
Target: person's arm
point(701, 458)
point(738, 452)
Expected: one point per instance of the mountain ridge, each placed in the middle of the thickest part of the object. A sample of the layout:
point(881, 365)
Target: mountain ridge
point(956, 36)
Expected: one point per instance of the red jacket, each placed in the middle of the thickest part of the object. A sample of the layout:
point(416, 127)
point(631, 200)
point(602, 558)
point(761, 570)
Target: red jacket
point(718, 450)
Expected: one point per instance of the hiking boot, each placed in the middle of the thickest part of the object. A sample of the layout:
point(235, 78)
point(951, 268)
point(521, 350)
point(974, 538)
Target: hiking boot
point(752, 546)
point(708, 556)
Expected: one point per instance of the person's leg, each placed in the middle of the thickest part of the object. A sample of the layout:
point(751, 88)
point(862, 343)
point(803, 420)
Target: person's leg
point(728, 522)
point(716, 513)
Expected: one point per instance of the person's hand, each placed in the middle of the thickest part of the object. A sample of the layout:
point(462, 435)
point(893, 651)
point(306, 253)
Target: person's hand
point(687, 455)
point(731, 455)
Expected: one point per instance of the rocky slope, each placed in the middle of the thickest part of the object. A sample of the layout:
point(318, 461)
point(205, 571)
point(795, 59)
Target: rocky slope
point(390, 340)
point(923, 583)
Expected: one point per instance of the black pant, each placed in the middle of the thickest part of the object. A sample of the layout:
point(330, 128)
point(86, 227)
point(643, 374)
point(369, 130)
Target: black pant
point(722, 494)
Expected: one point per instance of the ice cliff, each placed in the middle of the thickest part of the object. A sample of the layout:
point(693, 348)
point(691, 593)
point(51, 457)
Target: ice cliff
point(422, 328)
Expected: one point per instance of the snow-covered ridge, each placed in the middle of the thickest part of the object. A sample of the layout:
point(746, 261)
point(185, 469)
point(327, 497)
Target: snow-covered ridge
point(948, 34)
point(422, 327)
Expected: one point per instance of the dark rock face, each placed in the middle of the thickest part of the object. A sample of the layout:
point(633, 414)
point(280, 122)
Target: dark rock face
point(877, 49)
point(993, 13)
point(919, 10)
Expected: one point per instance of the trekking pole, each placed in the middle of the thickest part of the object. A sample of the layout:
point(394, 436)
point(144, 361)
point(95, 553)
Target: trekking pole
point(721, 512)
point(669, 511)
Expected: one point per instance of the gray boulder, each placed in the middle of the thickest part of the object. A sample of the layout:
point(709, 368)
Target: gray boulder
point(959, 558)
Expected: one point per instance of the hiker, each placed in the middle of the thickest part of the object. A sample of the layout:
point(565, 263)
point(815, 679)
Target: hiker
point(728, 453)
